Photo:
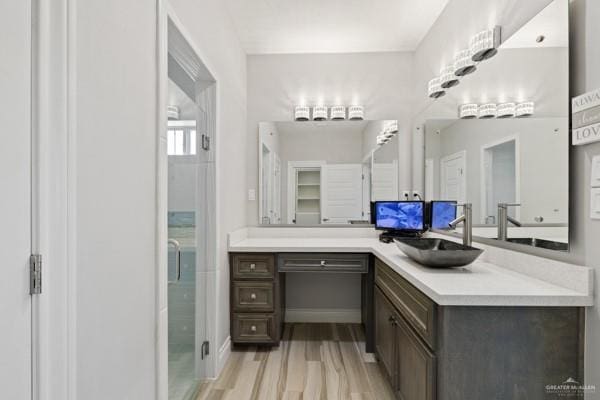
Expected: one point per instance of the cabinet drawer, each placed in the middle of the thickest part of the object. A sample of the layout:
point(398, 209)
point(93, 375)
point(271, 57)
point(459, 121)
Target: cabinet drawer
point(329, 262)
point(418, 309)
point(253, 296)
point(249, 266)
point(253, 328)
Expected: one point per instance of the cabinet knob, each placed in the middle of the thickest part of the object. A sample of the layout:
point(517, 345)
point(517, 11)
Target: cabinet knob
point(253, 328)
point(253, 266)
point(253, 296)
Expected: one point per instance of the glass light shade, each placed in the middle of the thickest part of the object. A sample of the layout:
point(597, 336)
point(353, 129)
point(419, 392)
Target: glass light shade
point(447, 77)
point(392, 126)
point(506, 110)
point(434, 88)
point(356, 113)
point(319, 113)
point(338, 112)
point(463, 63)
point(485, 44)
point(468, 111)
point(488, 110)
point(525, 109)
point(302, 113)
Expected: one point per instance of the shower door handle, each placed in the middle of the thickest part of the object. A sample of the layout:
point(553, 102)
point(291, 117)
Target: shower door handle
point(177, 247)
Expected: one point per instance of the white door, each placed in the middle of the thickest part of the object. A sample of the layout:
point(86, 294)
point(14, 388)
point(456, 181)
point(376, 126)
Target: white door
point(454, 177)
point(15, 200)
point(341, 193)
point(384, 181)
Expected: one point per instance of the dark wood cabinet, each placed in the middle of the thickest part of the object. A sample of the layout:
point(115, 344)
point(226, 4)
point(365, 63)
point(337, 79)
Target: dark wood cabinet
point(385, 333)
point(435, 352)
point(415, 365)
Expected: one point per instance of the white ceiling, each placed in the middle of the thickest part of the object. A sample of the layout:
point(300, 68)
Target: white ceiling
point(332, 26)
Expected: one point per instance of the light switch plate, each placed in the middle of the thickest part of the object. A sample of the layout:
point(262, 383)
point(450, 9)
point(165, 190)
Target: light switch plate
point(595, 171)
point(595, 203)
point(251, 195)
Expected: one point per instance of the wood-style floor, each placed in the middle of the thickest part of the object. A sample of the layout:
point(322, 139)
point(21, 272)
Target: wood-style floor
point(313, 361)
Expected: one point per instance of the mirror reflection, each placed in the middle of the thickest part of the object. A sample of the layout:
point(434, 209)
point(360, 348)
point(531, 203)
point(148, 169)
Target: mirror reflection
point(326, 172)
point(512, 170)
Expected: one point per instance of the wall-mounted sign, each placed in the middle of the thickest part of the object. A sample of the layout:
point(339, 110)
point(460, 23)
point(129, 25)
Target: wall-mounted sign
point(586, 118)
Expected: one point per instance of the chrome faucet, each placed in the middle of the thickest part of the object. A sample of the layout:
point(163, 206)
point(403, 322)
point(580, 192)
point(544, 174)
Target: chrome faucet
point(504, 219)
point(467, 220)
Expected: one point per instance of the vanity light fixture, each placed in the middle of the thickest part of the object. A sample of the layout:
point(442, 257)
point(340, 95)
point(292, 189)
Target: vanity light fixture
point(506, 110)
point(319, 113)
point(525, 109)
point(356, 113)
point(447, 77)
point(338, 113)
point(172, 112)
point(487, 111)
point(468, 111)
point(302, 113)
point(463, 63)
point(435, 89)
point(485, 44)
point(392, 126)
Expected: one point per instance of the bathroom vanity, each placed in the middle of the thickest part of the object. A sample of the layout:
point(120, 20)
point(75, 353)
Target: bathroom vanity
point(480, 331)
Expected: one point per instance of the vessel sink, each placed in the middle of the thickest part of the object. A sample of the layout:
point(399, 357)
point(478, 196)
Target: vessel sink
point(438, 253)
point(541, 243)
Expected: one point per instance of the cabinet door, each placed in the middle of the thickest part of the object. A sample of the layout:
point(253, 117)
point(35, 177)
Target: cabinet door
point(385, 333)
point(415, 365)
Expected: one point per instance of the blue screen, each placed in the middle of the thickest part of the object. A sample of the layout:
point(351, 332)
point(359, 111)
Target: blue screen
point(400, 215)
point(442, 213)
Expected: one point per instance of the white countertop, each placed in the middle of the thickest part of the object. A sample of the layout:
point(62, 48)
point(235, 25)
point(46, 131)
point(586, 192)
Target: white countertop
point(479, 284)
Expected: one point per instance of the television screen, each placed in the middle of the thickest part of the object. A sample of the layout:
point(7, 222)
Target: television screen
point(442, 213)
point(400, 215)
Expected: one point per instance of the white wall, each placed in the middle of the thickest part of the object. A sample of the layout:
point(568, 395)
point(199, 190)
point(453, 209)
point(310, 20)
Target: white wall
point(276, 83)
point(115, 199)
point(116, 184)
point(212, 32)
point(585, 76)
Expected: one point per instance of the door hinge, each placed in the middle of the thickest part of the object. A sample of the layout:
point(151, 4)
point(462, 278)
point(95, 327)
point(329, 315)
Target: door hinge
point(205, 142)
point(205, 349)
point(35, 274)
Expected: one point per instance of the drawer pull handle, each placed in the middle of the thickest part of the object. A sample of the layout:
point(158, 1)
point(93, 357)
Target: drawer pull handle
point(253, 296)
point(323, 263)
point(253, 328)
point(252, 267)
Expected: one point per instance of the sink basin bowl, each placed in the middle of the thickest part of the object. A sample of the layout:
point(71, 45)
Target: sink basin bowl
point(438, 253)
point(540, 243)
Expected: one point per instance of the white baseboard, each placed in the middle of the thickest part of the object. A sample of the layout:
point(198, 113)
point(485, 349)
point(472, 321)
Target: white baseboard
point(223, 356)
point(336, 315)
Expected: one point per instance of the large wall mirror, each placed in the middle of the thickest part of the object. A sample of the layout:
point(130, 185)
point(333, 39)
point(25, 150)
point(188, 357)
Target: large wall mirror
point(325, 173)
point(523, 162)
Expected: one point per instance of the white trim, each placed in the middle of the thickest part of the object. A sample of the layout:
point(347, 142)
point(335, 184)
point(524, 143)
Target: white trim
point(482, 177)
point(223, 356)
point(291, 183)
point(323, 315)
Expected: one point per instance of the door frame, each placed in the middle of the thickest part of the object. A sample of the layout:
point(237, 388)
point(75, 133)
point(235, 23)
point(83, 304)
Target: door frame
point(463, 155)
point(217, 356)
point(291, 184)
point(484, 148)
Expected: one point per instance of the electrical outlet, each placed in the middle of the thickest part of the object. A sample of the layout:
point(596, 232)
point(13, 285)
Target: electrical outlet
point(595, 175)
point(405, 195)
point(251, 195)
point(595, 203)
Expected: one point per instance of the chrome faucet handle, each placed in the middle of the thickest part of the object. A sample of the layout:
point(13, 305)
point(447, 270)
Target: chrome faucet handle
point(506, 205)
